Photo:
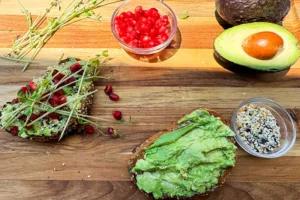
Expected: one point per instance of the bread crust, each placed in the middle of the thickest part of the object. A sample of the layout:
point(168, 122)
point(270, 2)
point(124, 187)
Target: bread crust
point(86, 104)
point(139, 152)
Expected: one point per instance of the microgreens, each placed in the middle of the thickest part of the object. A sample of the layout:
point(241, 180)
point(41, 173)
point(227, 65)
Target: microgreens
point(36, 37)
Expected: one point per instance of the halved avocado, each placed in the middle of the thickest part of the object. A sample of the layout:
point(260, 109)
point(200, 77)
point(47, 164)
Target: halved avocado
point(229, 50)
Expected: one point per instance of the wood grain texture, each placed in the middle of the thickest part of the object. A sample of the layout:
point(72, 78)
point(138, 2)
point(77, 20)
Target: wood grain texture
point(155, 90)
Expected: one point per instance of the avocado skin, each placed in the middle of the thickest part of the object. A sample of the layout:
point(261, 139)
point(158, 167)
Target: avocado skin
point(237, 12)
point(249, 73)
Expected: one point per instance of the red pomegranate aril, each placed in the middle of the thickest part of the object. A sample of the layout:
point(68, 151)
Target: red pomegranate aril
point(111, 131)
point(129, 29)
point(132, 35)
point(59, 92)
point(89, 129)
point(53, 103)
point(32, 85)
point(145, 28)
point(33, 117)
point(29, 127)
point(123, 15)
point(138, 9)
point(15, 101)
point(131, 22)
point(54, 72)
point(117, 115)
point(150, 21)
point(63, 100)
point(151, 43)
point(130, 14)
point(14, 130)
point(155, 15)
point(142, 19)
point(22, 117)
point(114, 97)
point(167, 32)
point(24, 89)
point(41, 114)
point(153, 32)
point(123, 26)
point(152, 10)
point(53, 115)
point(75, 67)
point(71, 80)
point(126, 39)
point(56, 99)
point(162, 29)
point(108, 89)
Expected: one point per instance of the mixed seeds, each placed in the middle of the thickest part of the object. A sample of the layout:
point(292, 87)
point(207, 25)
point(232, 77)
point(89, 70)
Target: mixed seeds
point(258, 128)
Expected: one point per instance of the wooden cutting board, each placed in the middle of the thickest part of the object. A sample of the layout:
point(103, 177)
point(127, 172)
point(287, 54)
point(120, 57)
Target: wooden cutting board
point(155, 91)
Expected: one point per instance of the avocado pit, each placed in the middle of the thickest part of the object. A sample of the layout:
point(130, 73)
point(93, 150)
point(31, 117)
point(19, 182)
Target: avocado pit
point(263, 45)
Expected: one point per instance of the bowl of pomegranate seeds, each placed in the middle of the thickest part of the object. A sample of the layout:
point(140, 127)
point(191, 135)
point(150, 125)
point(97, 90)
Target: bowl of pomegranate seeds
point(144, 29)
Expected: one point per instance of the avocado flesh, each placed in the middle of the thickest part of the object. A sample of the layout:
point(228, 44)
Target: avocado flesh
point(237, 12)
point(228, 45)
point(189, 160)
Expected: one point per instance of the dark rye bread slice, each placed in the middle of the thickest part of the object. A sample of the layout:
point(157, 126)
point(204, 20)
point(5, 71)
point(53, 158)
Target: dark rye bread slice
point(139, 152)
point(86, 104)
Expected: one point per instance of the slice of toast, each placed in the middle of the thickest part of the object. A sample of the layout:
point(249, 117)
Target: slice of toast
point(139, 152)
point(72, 125)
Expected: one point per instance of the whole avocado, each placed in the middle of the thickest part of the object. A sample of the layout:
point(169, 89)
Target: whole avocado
point(237, 12)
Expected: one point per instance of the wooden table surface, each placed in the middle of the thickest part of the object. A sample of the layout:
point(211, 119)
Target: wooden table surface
point(155, 91)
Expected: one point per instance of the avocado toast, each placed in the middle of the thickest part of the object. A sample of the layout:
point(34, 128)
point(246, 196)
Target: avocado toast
point(51, 106)
point(179, 162)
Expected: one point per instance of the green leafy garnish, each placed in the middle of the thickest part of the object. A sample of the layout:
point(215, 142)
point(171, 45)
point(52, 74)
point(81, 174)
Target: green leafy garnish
point(36, 37)
point(185, 15)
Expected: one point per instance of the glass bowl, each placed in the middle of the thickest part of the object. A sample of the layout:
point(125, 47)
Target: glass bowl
point(284, 120)
point(130, 5)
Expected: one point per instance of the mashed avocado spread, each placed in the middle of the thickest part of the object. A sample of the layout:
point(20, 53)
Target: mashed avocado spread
point(189, 160)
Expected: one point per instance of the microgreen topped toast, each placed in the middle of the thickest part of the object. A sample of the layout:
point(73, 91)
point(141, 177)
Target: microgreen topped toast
point(52, 105)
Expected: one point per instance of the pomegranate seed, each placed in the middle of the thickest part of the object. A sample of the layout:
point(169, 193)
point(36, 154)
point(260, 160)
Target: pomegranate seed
point(71, 80)
point(63, 100)
point(41, 114)
point(117, 115)
point(54, 72)
point(33, 117)
point(75, 67)
point(59, 92)
point(22, 117)
point(130, 14)
point(29, 127)
point(14, 130)
point(111, 131)
point(59, 76)
point(32, 86)
point(15, 101)
point(89, 129)
point(114, 97)
point(155, 15)
point(152, 10)
point(53, 115)
point(53, 103)
point(108, 89)
point(139, 10)
point(56, 99)
point(24, 89)
point(123, 15)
